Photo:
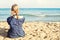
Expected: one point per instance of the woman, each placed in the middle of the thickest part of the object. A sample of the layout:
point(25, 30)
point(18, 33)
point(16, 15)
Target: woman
point(15, 21)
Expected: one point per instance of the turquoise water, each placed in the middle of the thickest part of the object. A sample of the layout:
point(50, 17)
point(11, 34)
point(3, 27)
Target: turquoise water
point(33, 14)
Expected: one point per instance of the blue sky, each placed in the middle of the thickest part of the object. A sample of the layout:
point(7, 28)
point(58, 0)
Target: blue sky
point(31, 3)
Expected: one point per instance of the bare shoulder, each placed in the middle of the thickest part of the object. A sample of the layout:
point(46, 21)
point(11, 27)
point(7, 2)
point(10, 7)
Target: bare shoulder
point(20, 16)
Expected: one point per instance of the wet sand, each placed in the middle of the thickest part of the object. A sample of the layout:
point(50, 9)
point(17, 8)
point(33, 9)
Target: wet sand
point(34, 31)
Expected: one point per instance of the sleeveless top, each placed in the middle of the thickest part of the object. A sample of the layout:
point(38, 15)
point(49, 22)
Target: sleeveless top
point(16, 29)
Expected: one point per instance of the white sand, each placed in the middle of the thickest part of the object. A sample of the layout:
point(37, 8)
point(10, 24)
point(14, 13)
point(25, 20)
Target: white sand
point(34, 31)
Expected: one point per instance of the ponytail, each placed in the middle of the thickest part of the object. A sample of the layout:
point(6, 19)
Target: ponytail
point(12, 9)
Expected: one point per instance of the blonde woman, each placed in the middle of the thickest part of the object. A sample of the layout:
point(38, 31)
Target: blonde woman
point(15, 21)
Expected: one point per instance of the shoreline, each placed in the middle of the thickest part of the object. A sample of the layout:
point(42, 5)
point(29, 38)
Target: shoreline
point(35, 21)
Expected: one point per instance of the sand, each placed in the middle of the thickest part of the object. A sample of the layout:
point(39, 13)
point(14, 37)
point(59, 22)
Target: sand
point(34, 31)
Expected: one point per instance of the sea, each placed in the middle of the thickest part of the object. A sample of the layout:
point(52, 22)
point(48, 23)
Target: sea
point(33, 14)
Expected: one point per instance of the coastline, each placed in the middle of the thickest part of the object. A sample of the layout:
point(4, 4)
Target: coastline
point(34, 31)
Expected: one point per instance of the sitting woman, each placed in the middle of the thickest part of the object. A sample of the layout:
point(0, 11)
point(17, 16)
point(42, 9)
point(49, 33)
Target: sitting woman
point(15, 22)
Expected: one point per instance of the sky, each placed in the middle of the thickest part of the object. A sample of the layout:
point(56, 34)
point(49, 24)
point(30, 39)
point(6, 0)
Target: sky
point(30, 3)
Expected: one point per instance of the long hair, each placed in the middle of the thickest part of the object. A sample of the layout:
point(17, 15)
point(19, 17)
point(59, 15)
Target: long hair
point(12, 9)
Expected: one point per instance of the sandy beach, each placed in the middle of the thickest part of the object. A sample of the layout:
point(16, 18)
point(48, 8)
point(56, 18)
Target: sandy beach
point(34, 31)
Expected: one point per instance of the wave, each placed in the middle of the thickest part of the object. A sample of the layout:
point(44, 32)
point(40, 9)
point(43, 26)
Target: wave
point(44, 15)
point(36, 15)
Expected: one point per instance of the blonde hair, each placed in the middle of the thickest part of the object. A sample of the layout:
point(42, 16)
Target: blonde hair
point(12, 9)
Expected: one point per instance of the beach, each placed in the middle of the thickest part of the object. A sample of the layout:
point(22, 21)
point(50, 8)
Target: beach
point(34, 31)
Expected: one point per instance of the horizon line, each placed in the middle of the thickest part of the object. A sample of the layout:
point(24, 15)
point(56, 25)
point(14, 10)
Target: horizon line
point(19, 8)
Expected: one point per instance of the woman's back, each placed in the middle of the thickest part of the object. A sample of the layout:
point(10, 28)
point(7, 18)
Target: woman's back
point(15, 26)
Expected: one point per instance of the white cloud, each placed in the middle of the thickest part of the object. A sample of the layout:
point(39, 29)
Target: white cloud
point(31, 3)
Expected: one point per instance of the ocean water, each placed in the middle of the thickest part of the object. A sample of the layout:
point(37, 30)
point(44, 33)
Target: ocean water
point(33, 14)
